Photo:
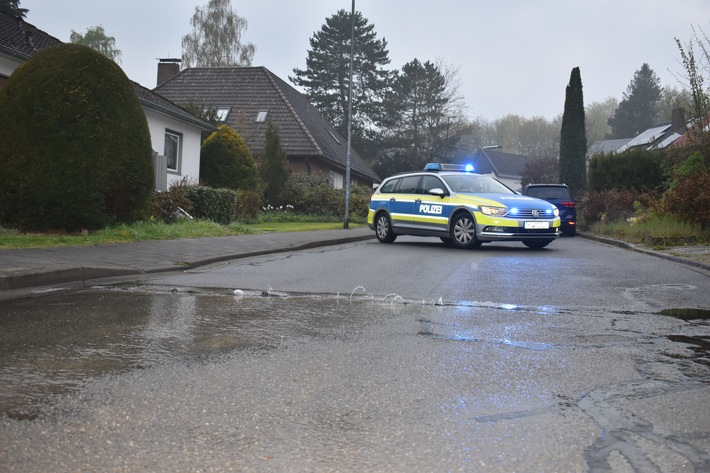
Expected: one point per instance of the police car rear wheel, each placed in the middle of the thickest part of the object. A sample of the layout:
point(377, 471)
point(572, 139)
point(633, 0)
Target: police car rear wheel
point(463, 232)
point(383, 229)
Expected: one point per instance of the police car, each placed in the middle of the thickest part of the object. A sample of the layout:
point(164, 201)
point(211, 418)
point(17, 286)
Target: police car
point(461, 207)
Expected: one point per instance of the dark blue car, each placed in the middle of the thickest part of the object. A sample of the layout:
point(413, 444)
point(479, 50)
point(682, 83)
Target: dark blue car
point(560, 196)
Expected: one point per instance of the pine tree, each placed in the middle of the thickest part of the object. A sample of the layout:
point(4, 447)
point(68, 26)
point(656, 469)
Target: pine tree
point(12, 7)
point(415, 117)
point(639, 108)
point(573, 138)
point(326, 77)
point(274, 169)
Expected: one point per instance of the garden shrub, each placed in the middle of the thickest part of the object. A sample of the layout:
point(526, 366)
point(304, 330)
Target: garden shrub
point(167, 204)
point(314, 194)
point(636, 169)
point(610, 205)
point(693, 166)
point(689, 193)
point(690, 199)
point(248, 204)
point(359, 201)
point(218, 205)
point(311, 194)
point(75, 149)
point(226, 162)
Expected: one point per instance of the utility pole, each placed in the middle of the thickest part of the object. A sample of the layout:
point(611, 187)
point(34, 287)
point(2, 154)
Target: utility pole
point(346, 217)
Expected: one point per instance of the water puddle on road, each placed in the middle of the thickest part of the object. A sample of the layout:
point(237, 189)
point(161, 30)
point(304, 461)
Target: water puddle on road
point(51, 345)
point(687, 313)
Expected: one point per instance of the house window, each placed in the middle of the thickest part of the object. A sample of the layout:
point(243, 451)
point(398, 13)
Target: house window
point(261, 116)
point(222, 113)
point(173, 150)
point(336, 179)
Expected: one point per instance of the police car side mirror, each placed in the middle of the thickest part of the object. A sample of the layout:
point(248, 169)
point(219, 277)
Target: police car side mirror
point(438, 191)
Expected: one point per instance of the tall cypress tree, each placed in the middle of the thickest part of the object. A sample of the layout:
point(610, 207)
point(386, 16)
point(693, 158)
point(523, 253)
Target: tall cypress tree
point(573, 138)
point(274, 168)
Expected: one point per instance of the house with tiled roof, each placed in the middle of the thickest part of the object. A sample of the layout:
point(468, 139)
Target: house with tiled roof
point(658, 136)
point(18, 41)
point(175, 133)
point(698, 132)
point(606, 146)
point(506, 167)
point(247, 98)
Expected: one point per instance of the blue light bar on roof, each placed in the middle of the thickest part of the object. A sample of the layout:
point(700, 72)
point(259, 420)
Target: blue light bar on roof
point(449, 167)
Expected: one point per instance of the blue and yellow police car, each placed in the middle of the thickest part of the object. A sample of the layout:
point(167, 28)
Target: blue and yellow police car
point(463, 208)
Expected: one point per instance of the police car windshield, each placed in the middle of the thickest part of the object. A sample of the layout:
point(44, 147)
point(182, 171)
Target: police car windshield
point(474, 184)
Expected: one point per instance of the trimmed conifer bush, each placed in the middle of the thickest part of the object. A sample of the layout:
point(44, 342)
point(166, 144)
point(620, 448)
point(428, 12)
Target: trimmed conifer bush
point(226, 162)
point(75, 150)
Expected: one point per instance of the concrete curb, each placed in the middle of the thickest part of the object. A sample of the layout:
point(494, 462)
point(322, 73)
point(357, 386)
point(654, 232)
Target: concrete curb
point(639, 249)
point(48, 277)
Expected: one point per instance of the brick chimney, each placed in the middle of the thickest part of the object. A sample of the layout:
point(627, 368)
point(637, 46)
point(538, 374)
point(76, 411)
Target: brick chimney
point(678, 120)
point(167, 68)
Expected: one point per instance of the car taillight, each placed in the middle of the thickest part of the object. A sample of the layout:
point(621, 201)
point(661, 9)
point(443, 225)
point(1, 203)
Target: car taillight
point(567, 204)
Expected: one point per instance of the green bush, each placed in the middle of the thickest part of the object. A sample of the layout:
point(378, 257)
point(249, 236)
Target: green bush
point(638, 170)
point(689, 193)
point(226, 162)
point(609, 206)
point(75, 150)
point(248, 204)
point(314, 194)
point(167, 204)
point(311, 194)
point(200, 202)
point(218, 205)
point(359, 201)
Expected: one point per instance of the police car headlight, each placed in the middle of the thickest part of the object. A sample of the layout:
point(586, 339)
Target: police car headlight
point(556, 212)
point(493, 211)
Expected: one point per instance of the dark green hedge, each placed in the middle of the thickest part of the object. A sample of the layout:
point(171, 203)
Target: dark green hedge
point(75, 149)
point(635, 169)
point(218, 205)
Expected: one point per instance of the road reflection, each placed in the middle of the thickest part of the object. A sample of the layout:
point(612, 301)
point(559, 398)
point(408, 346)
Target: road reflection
point(51, 345)
point(202, 379)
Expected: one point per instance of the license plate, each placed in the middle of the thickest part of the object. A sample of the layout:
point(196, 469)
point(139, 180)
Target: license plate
point(537, 225)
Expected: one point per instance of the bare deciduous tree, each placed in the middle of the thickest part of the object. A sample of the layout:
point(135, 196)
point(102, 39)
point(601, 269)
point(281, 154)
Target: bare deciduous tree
point(216, 38)
point(96, 39)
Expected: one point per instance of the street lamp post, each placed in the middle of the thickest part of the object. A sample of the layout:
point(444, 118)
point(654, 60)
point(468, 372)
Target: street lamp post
point(346, 217)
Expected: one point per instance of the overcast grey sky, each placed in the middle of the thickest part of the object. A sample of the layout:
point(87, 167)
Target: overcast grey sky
point(514, 56)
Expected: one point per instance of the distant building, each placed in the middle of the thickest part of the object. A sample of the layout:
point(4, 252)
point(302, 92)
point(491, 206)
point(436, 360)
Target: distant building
point(506, 167)
point(247, 98)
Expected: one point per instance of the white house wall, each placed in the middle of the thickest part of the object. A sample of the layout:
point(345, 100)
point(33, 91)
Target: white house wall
point(7, 65)
point(190, 159)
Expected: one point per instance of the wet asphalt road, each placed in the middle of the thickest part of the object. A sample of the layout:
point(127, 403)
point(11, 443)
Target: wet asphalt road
point(367, 357)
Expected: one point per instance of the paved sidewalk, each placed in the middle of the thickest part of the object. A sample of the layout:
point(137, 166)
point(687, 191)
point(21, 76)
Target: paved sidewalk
point(24, 268)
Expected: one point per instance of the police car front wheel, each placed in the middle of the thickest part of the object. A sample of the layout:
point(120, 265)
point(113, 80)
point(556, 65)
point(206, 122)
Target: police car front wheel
point(463, 231)
point(383, 228)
